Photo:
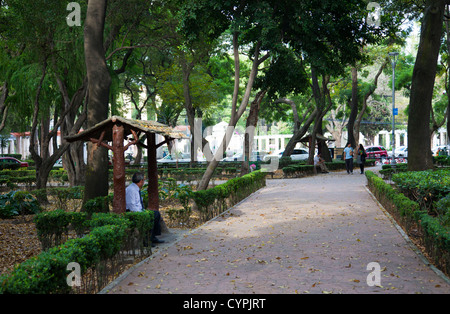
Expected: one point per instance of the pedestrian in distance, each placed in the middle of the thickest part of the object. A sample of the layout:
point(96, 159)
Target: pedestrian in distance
point(361, 158)
point(348, 157)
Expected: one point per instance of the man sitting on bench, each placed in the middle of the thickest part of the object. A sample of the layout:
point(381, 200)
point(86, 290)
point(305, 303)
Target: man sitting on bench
point(319, 161)
point(135, 203)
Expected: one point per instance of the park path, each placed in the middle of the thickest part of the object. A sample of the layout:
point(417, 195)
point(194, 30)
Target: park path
point(309, 235)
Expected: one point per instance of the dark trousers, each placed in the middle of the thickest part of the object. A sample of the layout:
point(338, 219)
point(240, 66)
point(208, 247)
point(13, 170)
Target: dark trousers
point(156, 224)
point(349, 165)
point(361, 166)
point(156, 230)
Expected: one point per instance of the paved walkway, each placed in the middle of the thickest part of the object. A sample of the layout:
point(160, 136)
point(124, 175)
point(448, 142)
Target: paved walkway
point(310, 235)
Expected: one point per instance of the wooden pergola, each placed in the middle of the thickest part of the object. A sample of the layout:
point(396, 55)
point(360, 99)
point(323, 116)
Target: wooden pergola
point(116, 130)
point(319, 138)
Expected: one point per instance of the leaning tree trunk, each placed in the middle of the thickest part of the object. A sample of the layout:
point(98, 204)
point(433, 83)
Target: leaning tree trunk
point(236, 112)
point(252, 120)
point(419, 141)
point(447, 83)
point(99, 82)
point(354, 107)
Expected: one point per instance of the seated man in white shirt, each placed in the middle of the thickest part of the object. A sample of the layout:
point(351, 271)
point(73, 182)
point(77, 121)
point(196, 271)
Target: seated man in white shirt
point(318, 160)
point(134, 203)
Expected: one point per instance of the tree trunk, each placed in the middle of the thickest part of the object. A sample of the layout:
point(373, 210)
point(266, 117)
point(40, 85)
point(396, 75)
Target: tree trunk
point(299, 134)
point(235, 114)
point(252, 120)
point(372, 89)
point(354, 107)
point(3, 104)
point(99, 82)
point(447, 83)
point(419, 142)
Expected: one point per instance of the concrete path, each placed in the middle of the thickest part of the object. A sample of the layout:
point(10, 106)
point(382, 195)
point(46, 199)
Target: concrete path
point(321, 234)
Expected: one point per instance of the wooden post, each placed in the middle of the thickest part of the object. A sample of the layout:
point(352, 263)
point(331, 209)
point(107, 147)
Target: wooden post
point(153, 196)
point(119, 203)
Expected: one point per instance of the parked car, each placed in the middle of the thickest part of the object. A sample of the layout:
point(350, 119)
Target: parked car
point(58, 163)
point(169, 159)
point(297, 154)
point(11, 163)
point(376, 152)
point(401, 151)
point(239, 157)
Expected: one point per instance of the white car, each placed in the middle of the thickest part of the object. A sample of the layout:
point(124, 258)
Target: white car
point(239, 157)
point(235, 157)
point(297, 154)
point(58, 163)
point(169, 159)
point(401, 152)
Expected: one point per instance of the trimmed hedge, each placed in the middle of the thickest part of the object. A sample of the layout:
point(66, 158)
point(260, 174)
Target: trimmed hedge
point(47, 272)
point(435, 234)
point(213, 201)
point(300, 169)
point(424, 187)
point(442, 161)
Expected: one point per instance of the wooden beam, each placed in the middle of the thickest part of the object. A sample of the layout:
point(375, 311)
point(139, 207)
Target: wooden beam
point(152, 174)
point(119, 202)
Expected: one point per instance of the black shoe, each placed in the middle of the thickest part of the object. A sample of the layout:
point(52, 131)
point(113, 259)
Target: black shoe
point(156, 240)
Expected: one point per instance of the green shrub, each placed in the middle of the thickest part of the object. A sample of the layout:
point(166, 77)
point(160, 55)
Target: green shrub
point(98, 205)
point(51, 226)
point(424, 187)
point(436, 231)
point(18, 203)
point(213, 201)
point(442, 208)
point(47, 272)
point(442, 160)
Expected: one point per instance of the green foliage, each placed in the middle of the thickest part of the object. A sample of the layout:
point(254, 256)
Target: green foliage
point(18, 203)
point(424, 187)
point(214, 201)
point(436, 231)
point(300, 169)
point(404, 206)
point(47, 272)
point(442, 160)
point(442, 208)
point(98, 204)
point(387, 170)
point(51, 226)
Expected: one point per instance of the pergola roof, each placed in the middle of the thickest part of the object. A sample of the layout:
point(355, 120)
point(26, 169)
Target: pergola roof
point(318, 137)
point(129, 125)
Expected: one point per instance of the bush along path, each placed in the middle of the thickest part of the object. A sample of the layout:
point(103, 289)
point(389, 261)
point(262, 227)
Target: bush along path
point(319, 234)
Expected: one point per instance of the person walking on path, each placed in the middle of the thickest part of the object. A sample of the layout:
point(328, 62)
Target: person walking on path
point(348, 157)
point(361, 157)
